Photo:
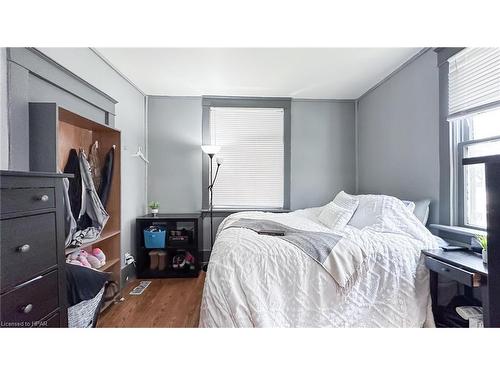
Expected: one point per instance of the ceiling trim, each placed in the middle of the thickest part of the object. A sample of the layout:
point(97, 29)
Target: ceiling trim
point(187, 97)
point(192, 97)
point(107, 62)
point(395, 71)
point(323, 100)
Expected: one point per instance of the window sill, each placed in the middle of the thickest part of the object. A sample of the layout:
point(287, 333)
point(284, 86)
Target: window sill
point(458, 230)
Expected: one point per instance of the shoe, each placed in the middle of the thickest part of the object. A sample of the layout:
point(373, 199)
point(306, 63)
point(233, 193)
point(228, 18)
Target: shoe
point(179, 261)
point(175, 261)
point(162, 260)
point(189, 258)
point(153, 259)
point(182, 261)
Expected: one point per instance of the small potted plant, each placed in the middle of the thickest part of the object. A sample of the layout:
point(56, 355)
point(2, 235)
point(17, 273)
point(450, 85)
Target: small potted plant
point(483, 241)
point(154, 206)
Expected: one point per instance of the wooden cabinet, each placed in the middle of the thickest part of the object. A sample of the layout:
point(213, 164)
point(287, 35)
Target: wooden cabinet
point(58, 130)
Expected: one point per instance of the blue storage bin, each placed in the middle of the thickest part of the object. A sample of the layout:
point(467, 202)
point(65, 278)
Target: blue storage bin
point(154, 240)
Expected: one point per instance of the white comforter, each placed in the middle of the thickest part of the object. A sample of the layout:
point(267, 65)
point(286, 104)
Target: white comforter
point(263, 281)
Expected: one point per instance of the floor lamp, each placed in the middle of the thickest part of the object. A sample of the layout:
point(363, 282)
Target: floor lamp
point(211, 150)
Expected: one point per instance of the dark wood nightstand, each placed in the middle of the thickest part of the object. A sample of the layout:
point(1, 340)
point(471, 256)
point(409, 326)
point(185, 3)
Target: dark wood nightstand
point(464, 267)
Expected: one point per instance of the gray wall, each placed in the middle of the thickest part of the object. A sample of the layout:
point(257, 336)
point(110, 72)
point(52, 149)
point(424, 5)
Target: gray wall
point(398, 135)
point(323, 153)
point(174, 139)
point(4, 127)
point(130, 119)
point(175, 157)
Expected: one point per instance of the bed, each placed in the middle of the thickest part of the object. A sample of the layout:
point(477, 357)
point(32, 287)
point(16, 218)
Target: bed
point(256, 280)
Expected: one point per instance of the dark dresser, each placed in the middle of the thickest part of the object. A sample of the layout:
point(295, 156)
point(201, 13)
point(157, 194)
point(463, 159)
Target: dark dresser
point(32, 274)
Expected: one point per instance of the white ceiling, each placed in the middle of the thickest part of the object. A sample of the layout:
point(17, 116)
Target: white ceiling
point(316, 73)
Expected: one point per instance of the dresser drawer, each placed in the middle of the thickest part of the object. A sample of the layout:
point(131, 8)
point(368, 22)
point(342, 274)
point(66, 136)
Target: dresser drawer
point(31, 301)
point(52, 321)
point(28, 247)
point(28, 199)
point(455, 273)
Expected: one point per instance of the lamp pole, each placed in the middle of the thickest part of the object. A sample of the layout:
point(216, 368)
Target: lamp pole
point(211, 188)
point(211, 150)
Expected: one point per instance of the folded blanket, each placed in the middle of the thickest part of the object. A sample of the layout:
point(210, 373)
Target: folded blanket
point(325, 248)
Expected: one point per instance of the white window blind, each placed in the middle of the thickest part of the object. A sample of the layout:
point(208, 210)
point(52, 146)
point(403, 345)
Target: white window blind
point(473, 81)
point(252, 148)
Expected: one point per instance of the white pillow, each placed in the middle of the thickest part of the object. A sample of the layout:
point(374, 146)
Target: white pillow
point(420, 209)
point(336, 214)
point(410, 205)
point(368, 211)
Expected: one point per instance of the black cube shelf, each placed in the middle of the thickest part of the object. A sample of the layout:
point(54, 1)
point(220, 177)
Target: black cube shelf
point(182, 236)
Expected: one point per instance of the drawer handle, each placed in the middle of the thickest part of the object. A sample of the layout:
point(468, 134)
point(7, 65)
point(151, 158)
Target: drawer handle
point(44, 198)
point(27, 309)
point(24, 249)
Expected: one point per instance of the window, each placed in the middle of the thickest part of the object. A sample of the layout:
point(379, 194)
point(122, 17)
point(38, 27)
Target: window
point(474, 107)
point(254, 140)
point(476, 135)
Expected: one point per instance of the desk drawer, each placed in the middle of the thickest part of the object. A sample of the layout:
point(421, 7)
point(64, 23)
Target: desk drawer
point(455, 273)
point(28, 246)
point(22, 200)
point(31, 301)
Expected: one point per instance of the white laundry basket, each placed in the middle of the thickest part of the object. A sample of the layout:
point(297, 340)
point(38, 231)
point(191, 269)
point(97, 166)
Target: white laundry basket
point(85, 313)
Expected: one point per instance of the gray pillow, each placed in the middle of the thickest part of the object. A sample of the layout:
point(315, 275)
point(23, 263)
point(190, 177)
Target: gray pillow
point(421, 210)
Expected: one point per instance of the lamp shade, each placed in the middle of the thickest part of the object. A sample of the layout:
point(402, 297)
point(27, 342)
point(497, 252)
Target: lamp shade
point(210, 149)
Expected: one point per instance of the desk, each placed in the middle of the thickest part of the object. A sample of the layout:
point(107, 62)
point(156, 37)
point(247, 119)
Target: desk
point(465, 267)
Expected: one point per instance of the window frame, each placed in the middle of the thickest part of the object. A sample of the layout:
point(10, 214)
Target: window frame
point(247, 102)
point(461, 139)
point(448, 159)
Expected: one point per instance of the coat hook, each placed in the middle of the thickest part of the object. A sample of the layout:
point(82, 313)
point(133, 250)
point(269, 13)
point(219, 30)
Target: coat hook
point(139, 154)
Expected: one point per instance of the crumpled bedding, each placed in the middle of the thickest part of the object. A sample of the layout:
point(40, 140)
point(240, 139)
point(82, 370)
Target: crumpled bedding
point(263, 281)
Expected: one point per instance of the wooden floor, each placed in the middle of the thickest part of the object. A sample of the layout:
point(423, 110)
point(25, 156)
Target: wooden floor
point(164, 303)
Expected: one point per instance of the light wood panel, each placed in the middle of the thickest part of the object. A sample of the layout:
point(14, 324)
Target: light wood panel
point(111, 247)
point(171, 303)
point(71, 137)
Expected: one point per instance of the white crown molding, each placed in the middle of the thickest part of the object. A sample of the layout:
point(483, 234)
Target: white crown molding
point(107, 62)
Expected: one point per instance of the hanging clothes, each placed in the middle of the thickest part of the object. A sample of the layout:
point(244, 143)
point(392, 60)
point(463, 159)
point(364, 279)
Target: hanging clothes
point(95, 165)
point(106, 176)
point(75, 184)
point(69, 220)
point(92, 217)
